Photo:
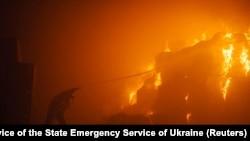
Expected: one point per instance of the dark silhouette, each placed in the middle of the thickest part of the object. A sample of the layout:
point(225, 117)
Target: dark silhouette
point(146, 96)
point(58, 105)
point(16, 83)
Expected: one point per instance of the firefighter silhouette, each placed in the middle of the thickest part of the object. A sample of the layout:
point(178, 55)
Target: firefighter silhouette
point(58, 105)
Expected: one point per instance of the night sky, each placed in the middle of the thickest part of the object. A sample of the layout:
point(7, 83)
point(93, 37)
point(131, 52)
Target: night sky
point(78, 42)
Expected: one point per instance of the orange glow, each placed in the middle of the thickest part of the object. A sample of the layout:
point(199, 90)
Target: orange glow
point(201, 37)
point(150, 67)
point(228, 56)
point(186, 98)
point(139, 84)
point(149, 113)
point(195, 41)
point(225, 87)
point(188, 117)
point(228, 62)
point(228, 35)
point(245, 61)
point(204, 36)
point(158, 80)
point(187, 68)
point(167, 49)
point(132, 98)
point(247, 36)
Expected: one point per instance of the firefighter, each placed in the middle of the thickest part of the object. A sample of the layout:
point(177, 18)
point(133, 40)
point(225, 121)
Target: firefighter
point(58, 105)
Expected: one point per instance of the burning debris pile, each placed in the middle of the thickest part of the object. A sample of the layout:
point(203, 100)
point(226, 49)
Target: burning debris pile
point(207, 83)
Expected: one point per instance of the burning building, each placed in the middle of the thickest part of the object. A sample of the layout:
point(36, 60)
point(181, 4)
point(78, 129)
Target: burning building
point(206, 83)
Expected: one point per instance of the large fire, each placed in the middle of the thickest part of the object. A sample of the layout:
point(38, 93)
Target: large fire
point(234, 55)
point(230, 61)
point(227, 65)
point(157, 82)
point(244, 60)
point(228, 48)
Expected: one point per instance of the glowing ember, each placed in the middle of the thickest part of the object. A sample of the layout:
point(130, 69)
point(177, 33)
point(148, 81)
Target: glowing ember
point(244, 60)
point(132, 98)
point(186, 97)
point(149, 113)
point(188, 116)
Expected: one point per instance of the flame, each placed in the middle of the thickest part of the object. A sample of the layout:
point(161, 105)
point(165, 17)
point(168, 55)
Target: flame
point(245, 61)
point(227, 65)
point(228, 62)
point(227, 54)
point(225, 87)
point(227, 51)
point(132, 98)
point(158, 81)
point(131, 93)
point(202, 37)
point(247, 36)
point(229, 36)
